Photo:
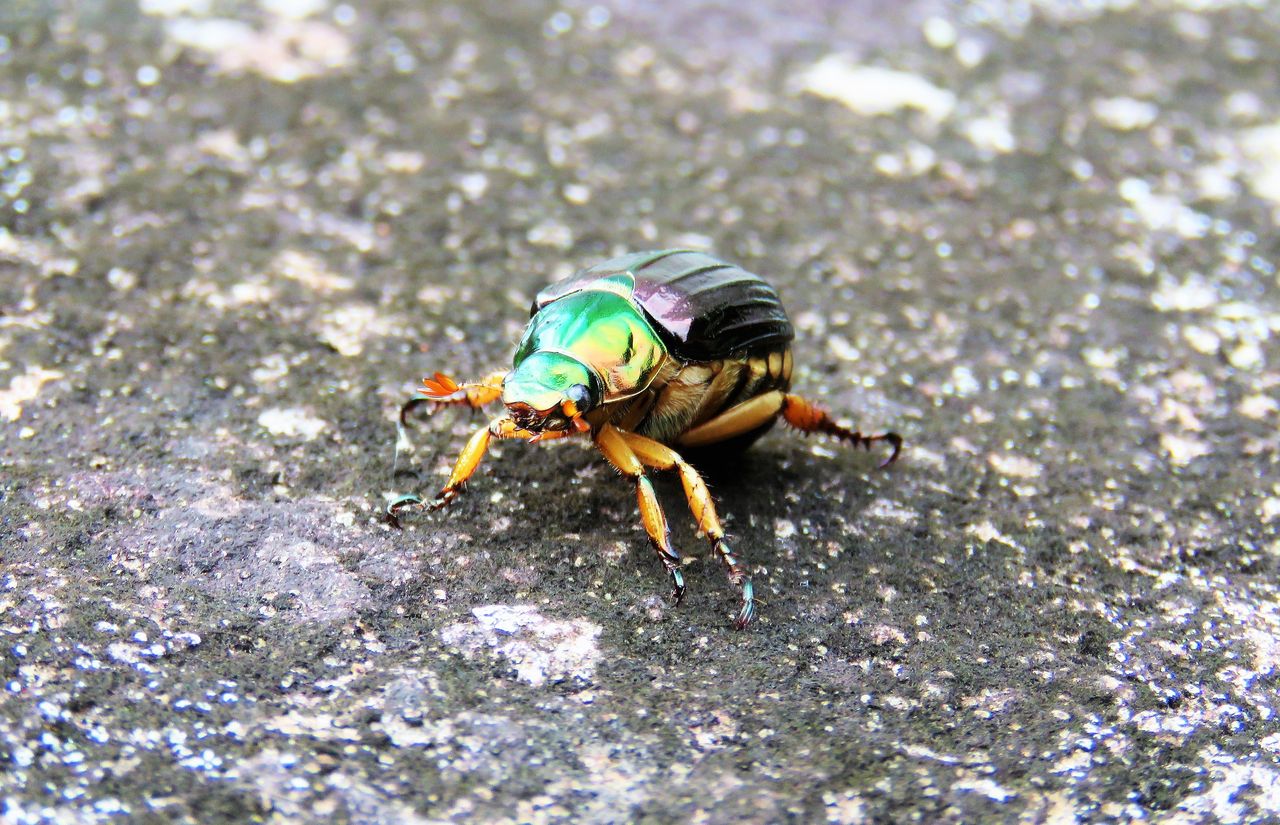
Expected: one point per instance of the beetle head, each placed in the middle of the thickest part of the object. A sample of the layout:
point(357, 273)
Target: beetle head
point(550, 391)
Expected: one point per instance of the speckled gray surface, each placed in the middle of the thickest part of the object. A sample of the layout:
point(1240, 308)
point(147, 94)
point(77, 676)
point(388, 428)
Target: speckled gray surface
point(234, 236)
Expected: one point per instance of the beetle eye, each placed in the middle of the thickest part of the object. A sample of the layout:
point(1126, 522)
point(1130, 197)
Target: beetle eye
point(579, 395)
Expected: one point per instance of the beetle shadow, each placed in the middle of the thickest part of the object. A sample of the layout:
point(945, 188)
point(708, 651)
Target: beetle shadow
point(780, 502)
point(770, 475)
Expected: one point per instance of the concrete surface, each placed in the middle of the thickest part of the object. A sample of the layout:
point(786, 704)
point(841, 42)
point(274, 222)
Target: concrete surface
point(1036, 238)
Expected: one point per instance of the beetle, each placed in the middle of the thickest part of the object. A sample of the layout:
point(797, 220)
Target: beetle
point(646, 355)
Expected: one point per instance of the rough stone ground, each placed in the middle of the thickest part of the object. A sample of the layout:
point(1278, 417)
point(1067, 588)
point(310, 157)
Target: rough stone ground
point(234, 236)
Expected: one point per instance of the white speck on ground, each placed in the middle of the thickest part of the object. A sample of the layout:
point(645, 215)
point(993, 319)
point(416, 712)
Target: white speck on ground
point(873, 90)
point(1193, 294)
point(915, 159)
point(473, 185)
point(348, 327)
point(540, 649)
point(889, 511)
point(1184, 449)
point(992, 133)
point(293, 9)
point(224, 144)
point(310, 271)
point(272, 369)
point(551, 233)
point(1014, 465)
point(171, 8)
point(1102, 359)
point(404, 162)
point(1261, 146)
point(322, 726)
point(939, 33)
point(1163, 213)
point(1257, 407)
point(986, 531)
point(24, 388)
point(1125, 113)
point(286, 51)
point(292, 422)
point(576, 193)
point(986, 787)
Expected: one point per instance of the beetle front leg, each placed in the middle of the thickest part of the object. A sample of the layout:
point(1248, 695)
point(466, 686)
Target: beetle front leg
point(661, 457)
point(443, 390)
point(615, 450)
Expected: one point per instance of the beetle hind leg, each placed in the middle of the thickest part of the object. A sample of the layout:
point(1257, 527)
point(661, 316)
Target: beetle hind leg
point(809, 418)
point(796, 411)
point(618, 453)
point(661, 457)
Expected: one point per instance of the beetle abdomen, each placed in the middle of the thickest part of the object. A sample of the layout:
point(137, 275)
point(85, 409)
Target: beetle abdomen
point(695, 393)
point(703, 308)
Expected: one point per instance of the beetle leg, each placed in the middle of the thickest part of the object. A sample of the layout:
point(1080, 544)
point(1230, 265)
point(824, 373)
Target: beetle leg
point(806, 417)
point(661, 457)
point(796, 411)
point(469, 459)
point(738, 419)
point(616, 451)
point(441, 389)
point(465, 467)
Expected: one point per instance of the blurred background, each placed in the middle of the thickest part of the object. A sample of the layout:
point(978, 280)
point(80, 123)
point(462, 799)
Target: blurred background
point(1036, 238)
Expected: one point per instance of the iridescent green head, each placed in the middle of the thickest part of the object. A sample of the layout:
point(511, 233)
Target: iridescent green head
point(548, 390)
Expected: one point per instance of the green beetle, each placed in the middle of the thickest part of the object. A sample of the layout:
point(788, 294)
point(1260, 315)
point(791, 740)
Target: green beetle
point(647, 354)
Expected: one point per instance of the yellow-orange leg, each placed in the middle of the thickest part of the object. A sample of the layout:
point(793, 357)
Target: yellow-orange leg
point(469, 460)
point(613, 445)
point(796, 411)
point(806, 417)
point(441, 389)
point(661, 457)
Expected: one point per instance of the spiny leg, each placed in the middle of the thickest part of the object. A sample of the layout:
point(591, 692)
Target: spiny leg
point(443, 390)
point(440, 391)
point(500, 428)
point(469, 459)
point(796, 411)
point(806, 417)
point(661, 457)
point(612, 444)
point(464, 467)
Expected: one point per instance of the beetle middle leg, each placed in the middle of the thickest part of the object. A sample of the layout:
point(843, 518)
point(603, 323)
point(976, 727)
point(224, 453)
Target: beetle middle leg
point(661, 457)
point(477, 446)
point(613, 445)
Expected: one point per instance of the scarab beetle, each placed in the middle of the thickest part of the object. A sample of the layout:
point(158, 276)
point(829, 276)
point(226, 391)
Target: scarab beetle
point(647, 354)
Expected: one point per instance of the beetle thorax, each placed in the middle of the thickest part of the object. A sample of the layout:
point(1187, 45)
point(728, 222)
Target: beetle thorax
point(597, 337)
